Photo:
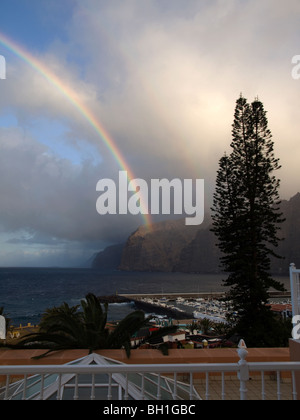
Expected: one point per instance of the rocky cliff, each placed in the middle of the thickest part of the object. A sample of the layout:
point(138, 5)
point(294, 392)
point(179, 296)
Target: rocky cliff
point(289, 248)
point(158, 249)
point(109, 258)
point(172, 246)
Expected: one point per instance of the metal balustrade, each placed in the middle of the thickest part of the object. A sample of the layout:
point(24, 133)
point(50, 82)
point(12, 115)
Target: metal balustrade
point(117, 381)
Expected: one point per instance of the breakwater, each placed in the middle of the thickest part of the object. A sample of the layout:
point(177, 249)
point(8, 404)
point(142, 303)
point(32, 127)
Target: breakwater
point(161, 310)
point(194, 295)
point(147, 307)
point(185, 295)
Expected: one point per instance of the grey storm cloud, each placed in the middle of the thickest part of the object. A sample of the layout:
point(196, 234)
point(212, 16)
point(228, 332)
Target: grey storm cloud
point(162, 77)
point(41, 192)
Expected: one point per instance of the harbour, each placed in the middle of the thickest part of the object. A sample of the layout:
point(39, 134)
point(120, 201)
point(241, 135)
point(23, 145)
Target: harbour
point(194, 306)
point(182, 305)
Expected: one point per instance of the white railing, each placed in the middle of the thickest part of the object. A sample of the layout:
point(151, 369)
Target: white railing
point(241, 370)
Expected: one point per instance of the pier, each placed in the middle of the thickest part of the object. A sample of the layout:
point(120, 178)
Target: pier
point(170, 296)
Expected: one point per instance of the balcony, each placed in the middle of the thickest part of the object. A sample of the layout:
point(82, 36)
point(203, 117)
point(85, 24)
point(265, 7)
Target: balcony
point(148, 375)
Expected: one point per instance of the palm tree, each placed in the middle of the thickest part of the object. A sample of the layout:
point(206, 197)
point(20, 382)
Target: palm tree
point(193, 326)
point(66, 327)
point(205, 325)
point(221, 328)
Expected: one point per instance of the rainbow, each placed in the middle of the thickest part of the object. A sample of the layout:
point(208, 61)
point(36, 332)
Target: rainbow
point(79, 105)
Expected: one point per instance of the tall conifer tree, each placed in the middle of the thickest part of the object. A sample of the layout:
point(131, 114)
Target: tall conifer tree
point(246, 220)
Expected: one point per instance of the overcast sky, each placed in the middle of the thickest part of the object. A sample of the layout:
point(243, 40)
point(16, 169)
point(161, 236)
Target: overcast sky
point(162, 77)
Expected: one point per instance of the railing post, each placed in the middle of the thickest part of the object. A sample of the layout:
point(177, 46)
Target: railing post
point(243, 374)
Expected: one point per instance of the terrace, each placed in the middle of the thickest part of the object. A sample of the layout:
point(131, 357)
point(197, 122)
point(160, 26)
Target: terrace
point(187, 374)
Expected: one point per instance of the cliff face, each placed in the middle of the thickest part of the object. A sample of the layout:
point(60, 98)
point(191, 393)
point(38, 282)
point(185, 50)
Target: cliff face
point(289, 248)
point(158, 249)
point(110, 257)
point(200, 255)
point(172, 246)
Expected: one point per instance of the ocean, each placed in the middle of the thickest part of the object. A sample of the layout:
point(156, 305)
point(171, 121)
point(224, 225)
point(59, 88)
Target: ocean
point(25, 293)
